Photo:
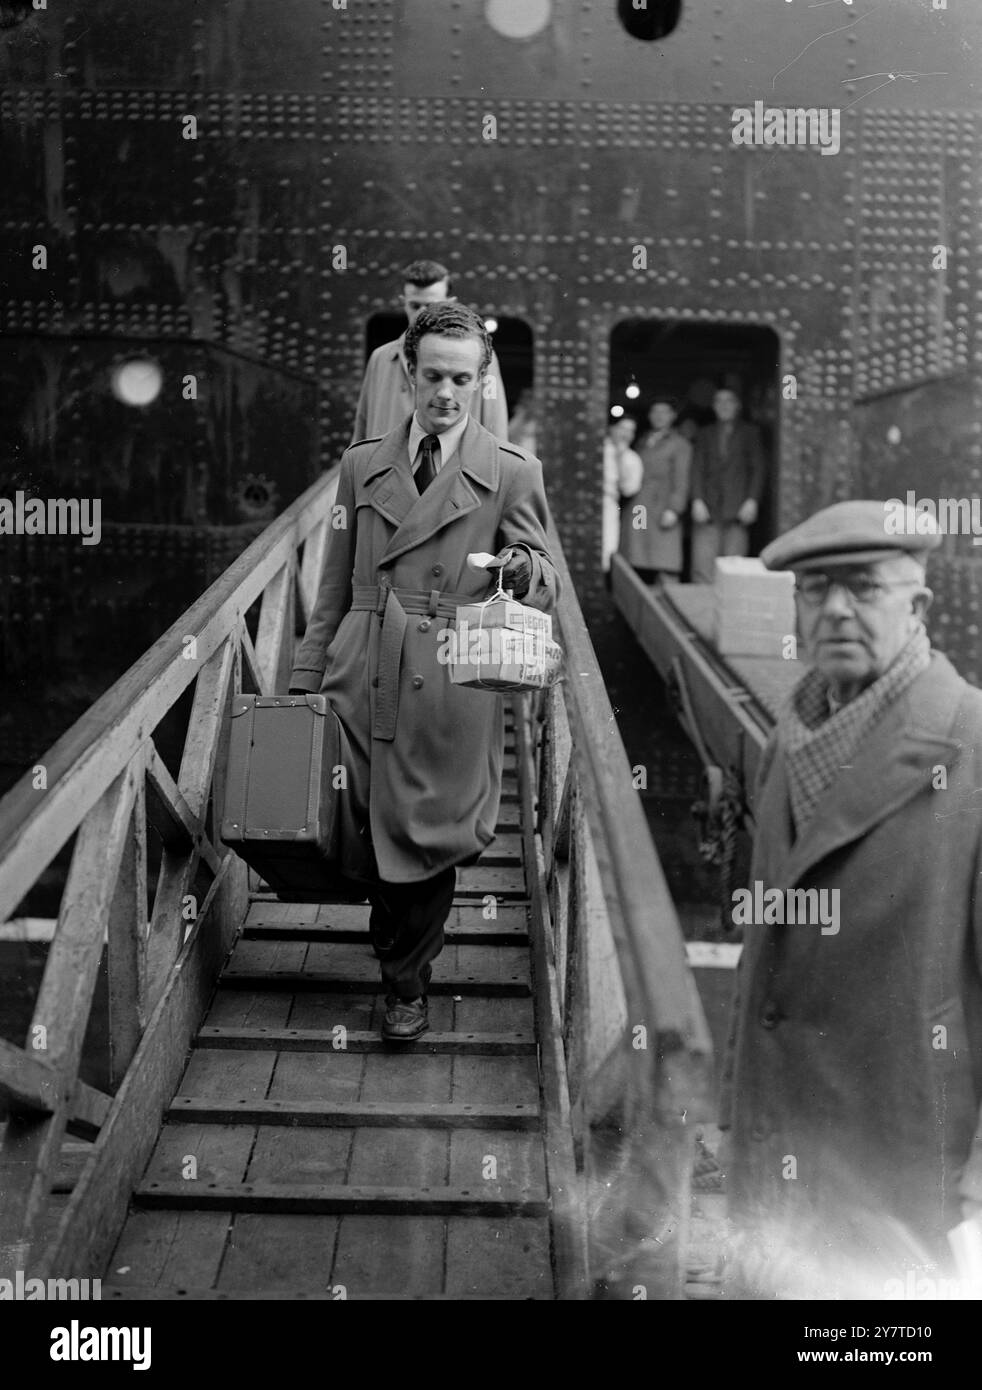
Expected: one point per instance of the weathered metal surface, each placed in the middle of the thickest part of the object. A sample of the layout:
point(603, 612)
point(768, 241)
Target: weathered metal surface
point(336, 142)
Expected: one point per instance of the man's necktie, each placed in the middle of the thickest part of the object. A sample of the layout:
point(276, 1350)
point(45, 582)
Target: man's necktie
point(426, 471)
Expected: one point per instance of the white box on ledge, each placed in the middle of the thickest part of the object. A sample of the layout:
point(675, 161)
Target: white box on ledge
point(754, 607)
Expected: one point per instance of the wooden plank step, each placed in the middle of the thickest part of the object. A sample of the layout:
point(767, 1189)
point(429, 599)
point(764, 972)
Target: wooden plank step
point(353, 1114)
point(489, 933)
point(325, 982)
point(150, 1293)
point(502, 883)
point(325, 1040)
point(476, 881)
point(466, 916)
point(327, 1199)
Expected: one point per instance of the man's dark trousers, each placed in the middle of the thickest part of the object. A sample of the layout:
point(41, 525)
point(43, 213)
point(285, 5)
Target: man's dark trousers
point(413, 915)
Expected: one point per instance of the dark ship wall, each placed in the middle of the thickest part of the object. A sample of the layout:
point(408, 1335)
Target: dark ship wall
point(337, 139)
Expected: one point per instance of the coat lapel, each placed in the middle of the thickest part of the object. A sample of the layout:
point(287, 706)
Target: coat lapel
point(388, 480)
point(890, 767)
point(451, 494)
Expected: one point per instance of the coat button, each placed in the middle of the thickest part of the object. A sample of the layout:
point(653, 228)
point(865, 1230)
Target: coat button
point(375, 682)
point(417, 682)
point(770, 1015)
point(424, 625)
point(437, 570)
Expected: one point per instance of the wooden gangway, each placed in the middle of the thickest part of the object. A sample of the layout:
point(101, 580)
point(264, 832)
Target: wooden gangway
point(245, 1133)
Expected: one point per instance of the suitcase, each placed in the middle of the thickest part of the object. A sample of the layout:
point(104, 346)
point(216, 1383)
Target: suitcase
point(280, 803)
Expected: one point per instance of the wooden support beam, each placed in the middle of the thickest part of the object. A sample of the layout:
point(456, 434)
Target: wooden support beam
point(177, 824)
point(275, 637)
point(28, 1082)
point(353, 1114)
point(89, 1110)
point(314, 552)
point(31, 1085)
point(90, 1225)
point(317, 1199)
point(325, 983)
point(491, 935)
point(169, 920)
point(211, 697)
point(31, 1144)
point(253, 676)
point(126, 946)
point(324, 1200)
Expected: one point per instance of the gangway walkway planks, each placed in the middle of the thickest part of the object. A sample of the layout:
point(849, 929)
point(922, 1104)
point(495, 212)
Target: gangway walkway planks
point(245, 1133)
point(331, 1162)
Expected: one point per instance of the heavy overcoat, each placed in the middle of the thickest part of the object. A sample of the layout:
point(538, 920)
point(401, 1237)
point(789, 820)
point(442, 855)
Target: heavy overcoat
point(724, 484)
point(423, 756)
point(665, 462)
point(858, 1054)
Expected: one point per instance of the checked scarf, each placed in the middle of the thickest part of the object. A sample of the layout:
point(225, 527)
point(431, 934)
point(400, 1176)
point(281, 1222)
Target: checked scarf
point(816, 743)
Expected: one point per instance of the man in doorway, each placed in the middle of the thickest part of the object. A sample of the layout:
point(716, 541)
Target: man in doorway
point(853, 1081)
point(728, 474)
point(423, 756)
point(386, 396)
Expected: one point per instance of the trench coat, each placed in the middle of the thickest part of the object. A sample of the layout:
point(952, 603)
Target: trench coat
point(422, 756)
point(858, 1054)
point(724, 484)
point(386, 395)
point(665, 461)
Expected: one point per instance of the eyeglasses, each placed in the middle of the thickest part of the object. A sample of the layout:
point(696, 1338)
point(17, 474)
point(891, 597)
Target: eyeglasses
point(814, 589)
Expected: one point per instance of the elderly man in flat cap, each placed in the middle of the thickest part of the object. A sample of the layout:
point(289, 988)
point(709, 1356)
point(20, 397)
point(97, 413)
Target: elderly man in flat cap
point(853, 1081)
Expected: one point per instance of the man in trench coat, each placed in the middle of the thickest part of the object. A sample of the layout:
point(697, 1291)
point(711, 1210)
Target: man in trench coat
point(728, 476)
point(854, 1078)
point(386, 395)
point(423, 756)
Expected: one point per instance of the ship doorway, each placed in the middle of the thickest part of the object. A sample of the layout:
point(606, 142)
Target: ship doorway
point(691, 361)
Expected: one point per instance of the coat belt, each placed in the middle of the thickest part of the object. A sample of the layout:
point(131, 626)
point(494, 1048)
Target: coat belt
point(392, 605)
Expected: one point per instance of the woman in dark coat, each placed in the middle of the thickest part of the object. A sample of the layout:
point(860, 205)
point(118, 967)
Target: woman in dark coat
point(651, 526)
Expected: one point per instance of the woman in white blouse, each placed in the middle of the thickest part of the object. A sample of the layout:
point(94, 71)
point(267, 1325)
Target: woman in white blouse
point(622, 478)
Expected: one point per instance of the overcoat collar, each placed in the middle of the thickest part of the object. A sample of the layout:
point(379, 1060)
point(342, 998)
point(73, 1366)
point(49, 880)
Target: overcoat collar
point(391, 490)
point(888, 769)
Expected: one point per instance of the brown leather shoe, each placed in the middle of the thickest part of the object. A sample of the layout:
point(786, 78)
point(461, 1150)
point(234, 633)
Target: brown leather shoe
point(405, 1019)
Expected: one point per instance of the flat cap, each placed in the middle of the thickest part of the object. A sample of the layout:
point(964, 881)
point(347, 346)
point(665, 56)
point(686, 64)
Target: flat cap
point(854, 533)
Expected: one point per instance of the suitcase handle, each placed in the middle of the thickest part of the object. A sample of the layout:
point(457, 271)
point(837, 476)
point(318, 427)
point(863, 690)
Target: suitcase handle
point(244, 703)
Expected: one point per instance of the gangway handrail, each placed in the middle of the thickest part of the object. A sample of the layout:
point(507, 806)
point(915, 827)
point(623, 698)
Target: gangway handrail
point(105, 781)
point(636, 1057)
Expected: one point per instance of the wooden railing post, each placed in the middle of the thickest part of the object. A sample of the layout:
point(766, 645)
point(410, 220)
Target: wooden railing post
point(127, 940)
point(32, 1140)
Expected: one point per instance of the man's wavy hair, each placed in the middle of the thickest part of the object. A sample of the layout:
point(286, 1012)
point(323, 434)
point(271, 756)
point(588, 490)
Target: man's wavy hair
point(448, 321)
point(425, 273)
